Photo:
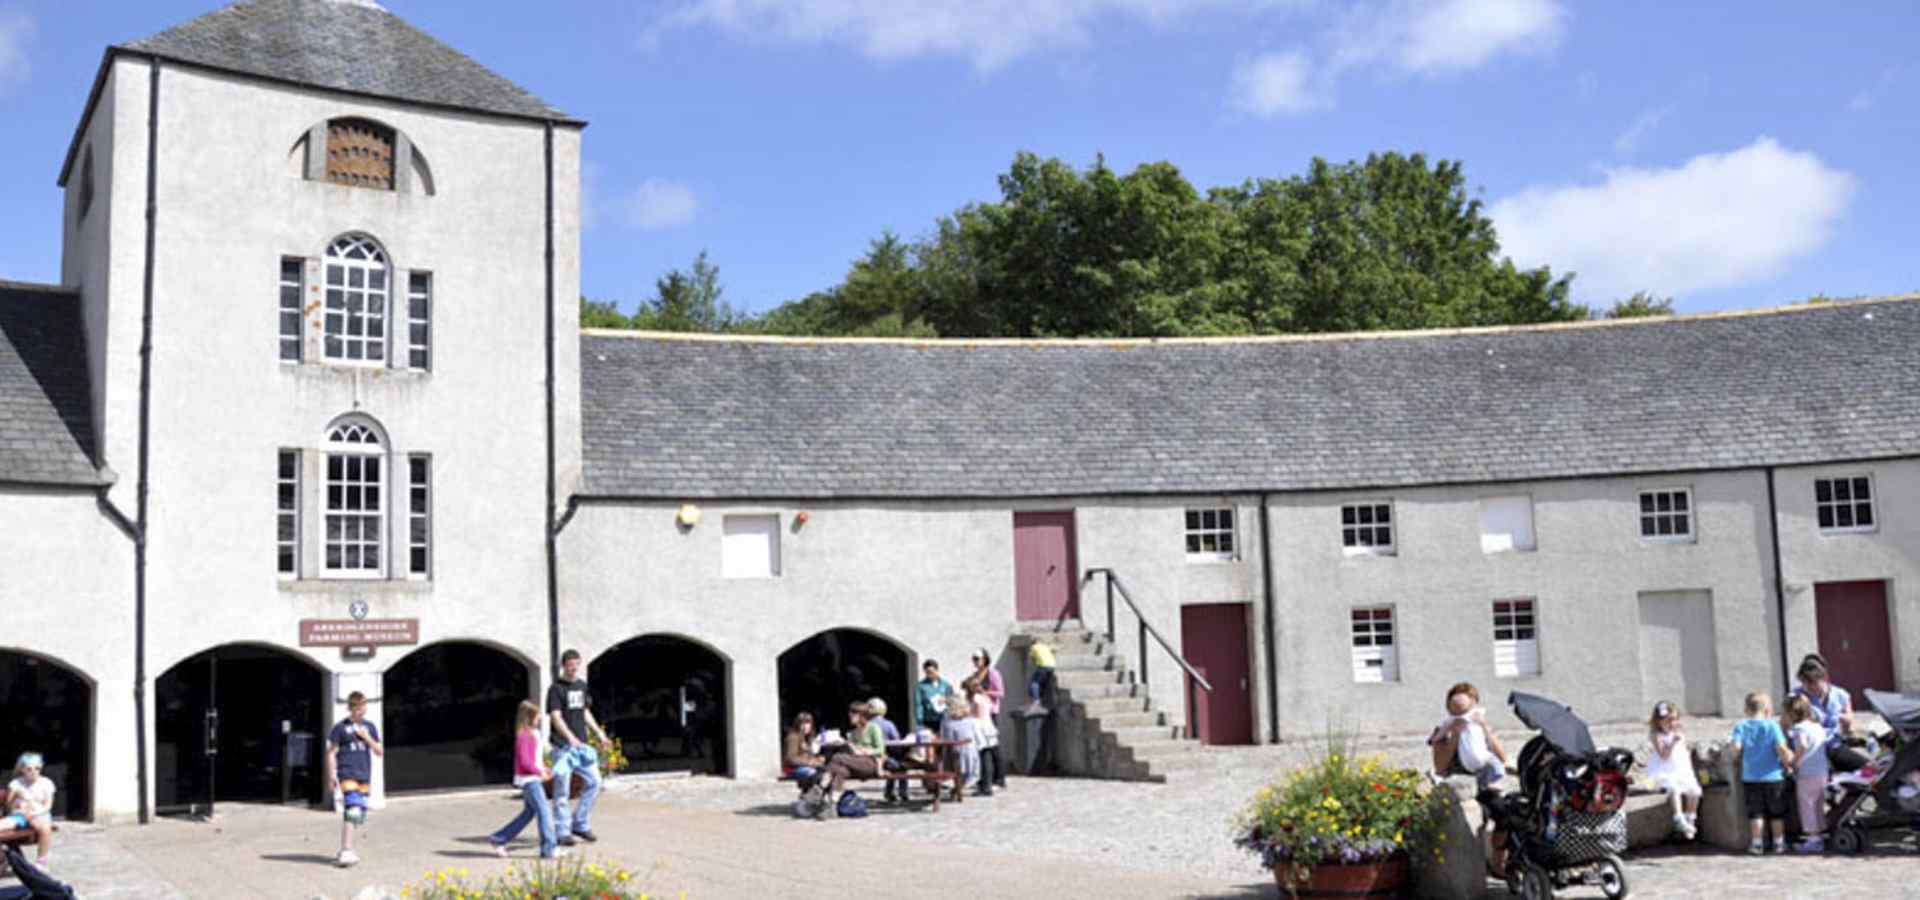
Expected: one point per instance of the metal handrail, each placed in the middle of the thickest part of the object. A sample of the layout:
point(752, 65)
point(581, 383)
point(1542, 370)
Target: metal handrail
point(1146, 628)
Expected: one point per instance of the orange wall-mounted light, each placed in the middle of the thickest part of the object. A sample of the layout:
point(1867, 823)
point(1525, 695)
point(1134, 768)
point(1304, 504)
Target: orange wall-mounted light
point(800, 518)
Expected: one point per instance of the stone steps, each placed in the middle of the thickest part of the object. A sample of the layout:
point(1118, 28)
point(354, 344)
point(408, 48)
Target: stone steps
point(1127, 736)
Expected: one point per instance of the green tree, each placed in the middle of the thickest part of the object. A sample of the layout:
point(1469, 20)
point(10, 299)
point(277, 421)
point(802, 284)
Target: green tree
point(690, 300)
point(1639, 305)
point(602, 314)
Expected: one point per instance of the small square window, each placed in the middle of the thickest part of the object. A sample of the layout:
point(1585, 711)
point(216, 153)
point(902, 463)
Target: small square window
point(1506, 524)
point(1666, 515)
point(1844, 504)
point(1210, 535)
point(1367, 527)
point(750, 546)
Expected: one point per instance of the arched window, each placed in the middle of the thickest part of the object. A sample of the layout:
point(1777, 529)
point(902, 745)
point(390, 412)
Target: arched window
point(355, 500)
point(360, 153)
point(356, 304)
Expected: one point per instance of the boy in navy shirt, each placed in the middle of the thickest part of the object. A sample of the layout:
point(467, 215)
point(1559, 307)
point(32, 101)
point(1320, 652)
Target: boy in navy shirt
point(1764, 758)
point(351, 746)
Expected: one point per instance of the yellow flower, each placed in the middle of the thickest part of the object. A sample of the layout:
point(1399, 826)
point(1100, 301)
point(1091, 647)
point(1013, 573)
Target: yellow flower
point(1398, 838)
point(463, 873)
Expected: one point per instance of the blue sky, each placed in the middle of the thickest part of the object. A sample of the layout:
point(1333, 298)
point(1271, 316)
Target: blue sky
point(1727, 154)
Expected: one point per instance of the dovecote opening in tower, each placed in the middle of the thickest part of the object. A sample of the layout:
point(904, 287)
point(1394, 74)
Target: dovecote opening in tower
point(360, 153)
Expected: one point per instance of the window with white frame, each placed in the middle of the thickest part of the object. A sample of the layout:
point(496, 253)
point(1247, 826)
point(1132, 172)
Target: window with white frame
point(750, 546)
point(1516, 639)
point(420, 320)
point(1210, 534)
point(1666, 515)
point(356, 301)
point(1374, 656)
point(1506, 523)
point(354, 505)
point(1367, 527)
point(1844, 504)
point(292, 280)
point(420, 515)
point(287, 506)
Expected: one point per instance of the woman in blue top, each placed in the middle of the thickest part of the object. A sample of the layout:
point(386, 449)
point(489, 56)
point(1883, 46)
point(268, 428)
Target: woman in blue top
point(1833, 709)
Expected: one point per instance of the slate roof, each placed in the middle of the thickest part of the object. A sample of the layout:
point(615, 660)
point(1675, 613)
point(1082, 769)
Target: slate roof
point(684, 418)
point(349, 45)
point(46, 430)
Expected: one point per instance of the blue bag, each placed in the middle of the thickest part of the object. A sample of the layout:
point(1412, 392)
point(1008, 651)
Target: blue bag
point(851, 806)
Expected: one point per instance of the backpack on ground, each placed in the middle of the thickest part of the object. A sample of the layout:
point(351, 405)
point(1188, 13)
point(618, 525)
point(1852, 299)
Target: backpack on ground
point(851, 806)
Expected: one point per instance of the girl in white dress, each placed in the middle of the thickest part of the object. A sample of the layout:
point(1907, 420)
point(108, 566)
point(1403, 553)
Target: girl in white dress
point(1670, 768)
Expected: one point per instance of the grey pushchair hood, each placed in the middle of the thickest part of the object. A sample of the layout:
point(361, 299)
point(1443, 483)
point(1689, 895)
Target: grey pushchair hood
point(1902, 711)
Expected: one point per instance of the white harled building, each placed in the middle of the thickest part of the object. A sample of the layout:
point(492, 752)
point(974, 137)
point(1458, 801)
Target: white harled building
point(310, 412)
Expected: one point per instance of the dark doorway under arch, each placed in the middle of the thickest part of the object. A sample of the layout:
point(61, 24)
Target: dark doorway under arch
point(665, 698)
point(50, 712)
point(259, 707)
point(829, 671)
point(449, 712)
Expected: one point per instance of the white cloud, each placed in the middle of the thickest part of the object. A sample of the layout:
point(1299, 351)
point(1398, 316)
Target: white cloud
point(15, 28)
point(1275, 83)
point(1717, 220)
point(1421, 38)
point(659, 203)
point(1429, 37)
point(1629, 140)
point(989, 33)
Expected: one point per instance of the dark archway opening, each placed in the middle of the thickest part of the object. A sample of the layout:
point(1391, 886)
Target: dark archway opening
point(826, 673)
point(449, 713)
point(260, 710)
point(665, 698)
point(49, 710)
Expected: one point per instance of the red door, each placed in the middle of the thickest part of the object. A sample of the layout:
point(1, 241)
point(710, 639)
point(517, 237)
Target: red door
point(1853, 624)
point(1044, 566)
point(1213, 637)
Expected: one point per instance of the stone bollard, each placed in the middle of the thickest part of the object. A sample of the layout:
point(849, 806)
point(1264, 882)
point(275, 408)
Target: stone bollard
point(1463, 873)
point(1723, 809)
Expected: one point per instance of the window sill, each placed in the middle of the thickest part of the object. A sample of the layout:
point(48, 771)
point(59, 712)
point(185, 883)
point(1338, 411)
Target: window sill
point(356, 586)
point(1211, 558)
point(1845, 531)
point(1369, 551)
point(1668, 539)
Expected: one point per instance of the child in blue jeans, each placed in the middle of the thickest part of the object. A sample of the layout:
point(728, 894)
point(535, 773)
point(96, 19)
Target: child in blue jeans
point(1764, 759)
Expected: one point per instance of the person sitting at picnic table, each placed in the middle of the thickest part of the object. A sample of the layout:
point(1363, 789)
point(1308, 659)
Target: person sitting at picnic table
point(800, 752)
point(891, 732)
point(960, 725)
point(29, 803)
point(866, 746)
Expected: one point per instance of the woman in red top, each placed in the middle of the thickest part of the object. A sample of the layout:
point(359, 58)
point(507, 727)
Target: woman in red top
point(529, 775)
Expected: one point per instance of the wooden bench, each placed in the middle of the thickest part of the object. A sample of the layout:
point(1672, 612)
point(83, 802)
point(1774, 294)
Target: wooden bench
point(17, 837)
point(910, 775)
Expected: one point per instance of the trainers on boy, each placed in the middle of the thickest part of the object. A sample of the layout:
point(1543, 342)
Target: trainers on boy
point(1756, 848)
point(1779, 847)
point(346, 858)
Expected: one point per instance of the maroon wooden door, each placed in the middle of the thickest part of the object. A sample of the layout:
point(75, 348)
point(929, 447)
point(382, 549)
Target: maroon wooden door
point(1853, 623)
point(1044, 585)
point(1213, 637)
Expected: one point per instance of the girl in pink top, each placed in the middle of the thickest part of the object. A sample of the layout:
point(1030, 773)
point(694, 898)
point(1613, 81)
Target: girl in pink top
point(530, 776)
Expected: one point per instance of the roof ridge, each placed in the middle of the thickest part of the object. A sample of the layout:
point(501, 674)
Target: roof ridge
point(1331, 337)
point(38, 288)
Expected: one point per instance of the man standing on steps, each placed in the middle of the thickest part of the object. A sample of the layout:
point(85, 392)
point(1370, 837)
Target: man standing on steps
point(569, 705)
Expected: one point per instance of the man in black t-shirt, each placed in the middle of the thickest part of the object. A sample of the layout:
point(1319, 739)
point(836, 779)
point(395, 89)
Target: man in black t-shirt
point(351, 747)
point(570, 706)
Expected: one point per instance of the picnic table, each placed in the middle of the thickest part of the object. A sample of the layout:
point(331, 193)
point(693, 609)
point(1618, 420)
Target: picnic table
point(935, 771)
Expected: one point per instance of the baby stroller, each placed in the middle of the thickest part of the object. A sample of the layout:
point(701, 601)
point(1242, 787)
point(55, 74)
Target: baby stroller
point(1884, 793)
point(1567, 825)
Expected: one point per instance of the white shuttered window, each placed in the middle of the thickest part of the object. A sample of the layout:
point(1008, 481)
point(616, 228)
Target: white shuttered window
point(1506, 523)
point(750, 546)
point(1375, 658)
point(1516, 639)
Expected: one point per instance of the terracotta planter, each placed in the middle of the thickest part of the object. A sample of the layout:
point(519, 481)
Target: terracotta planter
point(1387, 878)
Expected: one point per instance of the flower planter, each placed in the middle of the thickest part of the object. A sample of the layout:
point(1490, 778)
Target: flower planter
point(1387, 878)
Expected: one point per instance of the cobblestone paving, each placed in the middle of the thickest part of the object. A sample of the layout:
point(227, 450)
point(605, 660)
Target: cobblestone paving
point(87, 857)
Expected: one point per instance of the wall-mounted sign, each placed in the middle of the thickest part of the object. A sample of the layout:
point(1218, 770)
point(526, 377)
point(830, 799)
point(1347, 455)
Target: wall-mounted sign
point(358, 632)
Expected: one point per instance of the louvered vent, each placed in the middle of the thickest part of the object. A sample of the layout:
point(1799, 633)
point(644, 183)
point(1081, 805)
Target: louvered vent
point(360, 153)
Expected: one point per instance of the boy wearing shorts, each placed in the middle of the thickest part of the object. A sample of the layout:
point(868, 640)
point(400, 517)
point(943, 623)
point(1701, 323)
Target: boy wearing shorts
point(1764, 758)
point(351, 746)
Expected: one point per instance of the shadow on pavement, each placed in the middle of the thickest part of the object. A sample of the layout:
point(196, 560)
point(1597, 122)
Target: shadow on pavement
point(1240, 892)
point(317, 859)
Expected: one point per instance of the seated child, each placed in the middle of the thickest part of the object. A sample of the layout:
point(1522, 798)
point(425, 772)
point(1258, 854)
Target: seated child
point(1463, 744)
point(29, 803)
point(1670, 768)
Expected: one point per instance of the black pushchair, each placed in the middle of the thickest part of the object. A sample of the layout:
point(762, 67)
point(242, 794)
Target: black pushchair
point(1567, 825)
point(1885, 793)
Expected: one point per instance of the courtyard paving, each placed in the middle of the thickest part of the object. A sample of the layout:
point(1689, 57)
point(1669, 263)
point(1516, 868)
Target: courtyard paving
point(721, 838)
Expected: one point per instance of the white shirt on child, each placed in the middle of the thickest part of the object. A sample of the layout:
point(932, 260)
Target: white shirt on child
point(1810, 735)
point(1472, 751)
point(39, 797)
